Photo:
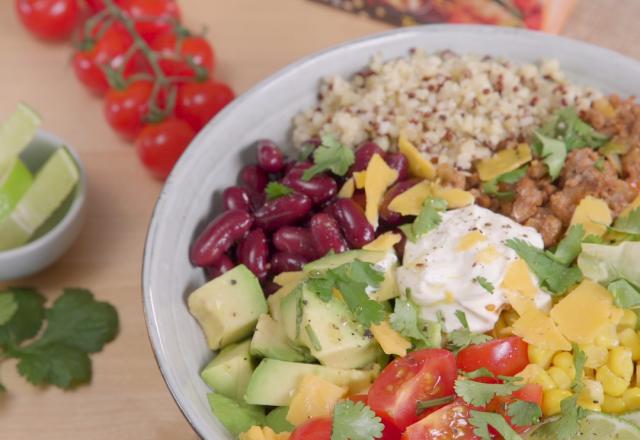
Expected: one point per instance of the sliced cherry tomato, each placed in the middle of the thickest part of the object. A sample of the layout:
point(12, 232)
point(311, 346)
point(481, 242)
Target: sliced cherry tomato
point(125, 109)
point(530, 392)
point(504, 356)
point(95, 5)
point(49, 19)
point(314, 429)
point(449, 422)
point(198, 102)
point(358, 398)
point(178, 56)
point(153, 17)
point(160, 145)
point(421, 375)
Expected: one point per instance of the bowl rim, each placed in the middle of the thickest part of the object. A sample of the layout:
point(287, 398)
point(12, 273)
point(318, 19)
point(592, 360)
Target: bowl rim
point(74, 210)
point(193, 149)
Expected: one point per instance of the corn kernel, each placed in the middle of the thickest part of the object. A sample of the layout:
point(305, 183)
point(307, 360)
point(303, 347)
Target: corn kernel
point(629, 320)
point(612, 383)
point(540, 356)
point(620, 363)
point(608, 339)
point(589, 373)
point(631, 398)
point(534, 373)
point(564, 360)
point(630, 339)
point(560, 377)
point(551, 401)
point(596, 356)
point(592, 394)
point(613, 404)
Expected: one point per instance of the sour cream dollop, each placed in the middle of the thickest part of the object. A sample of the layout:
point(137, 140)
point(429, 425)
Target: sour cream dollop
point(445, 269)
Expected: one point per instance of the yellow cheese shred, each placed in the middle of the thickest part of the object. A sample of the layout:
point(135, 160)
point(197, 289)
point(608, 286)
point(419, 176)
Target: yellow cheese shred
point(390, 340)
point(503, 161)
point(314, 397)
point(469, 240)
point(384, 242)
point(593, 214)
point(538, 329)
point(379, 176)
point(347, 190)
point(419, 166)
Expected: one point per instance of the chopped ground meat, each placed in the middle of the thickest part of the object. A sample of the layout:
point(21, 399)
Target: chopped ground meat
point(528, 199)
point(631, 167)
point(548, 225)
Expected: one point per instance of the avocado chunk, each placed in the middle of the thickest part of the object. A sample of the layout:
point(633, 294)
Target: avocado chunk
point(275, 299)
point(227, 307)
point(270, 340)
point(229, 372)
point(273, 382)
point(237, 417)
point(328, 330)
point(277, 420)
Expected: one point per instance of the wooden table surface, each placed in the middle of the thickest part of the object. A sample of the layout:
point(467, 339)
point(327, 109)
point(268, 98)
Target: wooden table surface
point(127, 398)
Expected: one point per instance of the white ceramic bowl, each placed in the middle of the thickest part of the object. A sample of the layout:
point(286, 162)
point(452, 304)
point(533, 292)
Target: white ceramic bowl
point(214, 158)
point(45, 250)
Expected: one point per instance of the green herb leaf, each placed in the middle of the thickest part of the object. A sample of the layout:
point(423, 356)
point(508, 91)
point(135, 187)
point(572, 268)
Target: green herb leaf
point(492, 188)
point(523, 413)
point(570, 246)
point(625, 294)
point(424, 405)
point(355, 421)
point(8, 307)
point(462, 338)
point(276, 190)
point(599, 164)
point(405, 320)
point(26, 321)
point(332, 156)
point(462, 317)
point(482, 420)
point(479, 394)
point(579, 359)
point(55, 364)
point(554, 153)
point(429, 218)
point(556, 278)
point(566, 427)
point(629, 224)
point(567, 126)
point(480, 372)
point(485, 284)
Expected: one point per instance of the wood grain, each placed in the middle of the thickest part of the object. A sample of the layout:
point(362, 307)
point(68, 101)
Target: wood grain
point(127, 398)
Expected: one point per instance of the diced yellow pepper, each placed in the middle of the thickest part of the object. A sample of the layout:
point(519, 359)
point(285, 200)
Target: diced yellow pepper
point(613, 405)
point(540, 356)
point(551, 401)
point(596, 356)
point(631, 398)
point(534, 373)
point(613, 384)
point(629, 319)
point(560, 377)
point(620, 362)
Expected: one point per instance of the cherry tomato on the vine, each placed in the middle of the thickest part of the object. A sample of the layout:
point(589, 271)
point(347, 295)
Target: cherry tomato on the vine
point(126, 108)
point(179, 54)
point(160, 145)
point(198, 102)
point(152, 17)
point(315, 429)
point(49, 19)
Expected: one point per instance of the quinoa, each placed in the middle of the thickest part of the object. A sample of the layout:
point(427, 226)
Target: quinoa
point(454, 108)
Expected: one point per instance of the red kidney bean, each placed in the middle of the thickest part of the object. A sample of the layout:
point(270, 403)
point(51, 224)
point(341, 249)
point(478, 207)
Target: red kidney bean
point(399, 247)
point(326, 234)
point(320, 188)
point(392, 217)
point(353, 223)
point(270, 157)
point(269, 287)
point(282, 211)
point(398, 162)
point(364, 153)
point(253, 252)
point(236, 197)
point(224, 264)
point(295, 240)
point(286, 262)
point(218, 236)
point(360, 198)
point(254, 178)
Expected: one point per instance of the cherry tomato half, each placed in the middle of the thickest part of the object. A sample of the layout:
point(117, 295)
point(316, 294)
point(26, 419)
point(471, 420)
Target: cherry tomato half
point(504, 356)
point(449, 422)
point(49, 19)
point(421, 375)
point(177, 58)
point(160, 145)
point(152, 17)
point(198, 102)
point(315, 429)
point(530, 392)
point(95, 5)
point(125, 109)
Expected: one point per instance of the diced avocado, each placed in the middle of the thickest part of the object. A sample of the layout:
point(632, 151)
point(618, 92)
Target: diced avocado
point(229, 372)
point(228, 307)
point(270, 340)
point(237, 417)
point(332, 261)
point(275, 299)
point(273, 382)
point(328, 330)
point(388, 288)
point(277, 420)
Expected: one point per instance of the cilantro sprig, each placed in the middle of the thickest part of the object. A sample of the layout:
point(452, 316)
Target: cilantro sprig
point(355, 421)
point(485, 284)
point(463, 337)
point(482, 420)
point(405, 319)
point(275, 190)
point(429, 218)
point(629, 224)
point(492, 187)
point(569, 247)
point(76, 326)
point(332, 156)
point(524, 413)
point(480, 393)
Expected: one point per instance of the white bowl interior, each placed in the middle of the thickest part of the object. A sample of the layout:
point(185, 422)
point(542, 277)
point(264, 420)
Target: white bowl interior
point(213, 160)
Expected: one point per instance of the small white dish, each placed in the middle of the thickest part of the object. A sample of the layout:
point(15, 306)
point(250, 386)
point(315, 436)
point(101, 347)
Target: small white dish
point(66, 221)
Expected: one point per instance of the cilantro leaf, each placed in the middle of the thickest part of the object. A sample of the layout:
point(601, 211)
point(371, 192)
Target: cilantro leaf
point(554, 153)
point(567, 126)
point(275, 190)
point(8, 307)
point(579, 359)
point(330, 155)
point(523, 413)
point(492, 188)
point(26, 321)
point(424, 405)
point(556, 278)
point(480, 372)
point(568, 424)
point(55, 364)
point(479, 393)
point(355, 421)
point(599, 164)
point(485, 284)
point(462, 338)
point(428, 219)
point(625, 294)
point(570, 246)
point(462, 317)
point(482, 420)
point(629, 224)
point(406, 321)
point(322, 285)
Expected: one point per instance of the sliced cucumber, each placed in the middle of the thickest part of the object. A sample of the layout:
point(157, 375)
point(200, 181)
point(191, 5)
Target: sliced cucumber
point(596, 426)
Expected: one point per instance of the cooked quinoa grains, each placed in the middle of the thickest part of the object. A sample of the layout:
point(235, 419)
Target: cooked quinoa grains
point(454, 108)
